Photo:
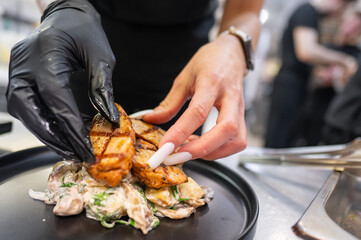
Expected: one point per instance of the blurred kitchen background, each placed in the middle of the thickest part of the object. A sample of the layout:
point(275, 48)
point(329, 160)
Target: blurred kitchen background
point(19, 17)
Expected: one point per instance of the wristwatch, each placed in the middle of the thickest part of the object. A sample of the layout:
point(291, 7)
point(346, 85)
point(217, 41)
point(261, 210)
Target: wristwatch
point(246, 42)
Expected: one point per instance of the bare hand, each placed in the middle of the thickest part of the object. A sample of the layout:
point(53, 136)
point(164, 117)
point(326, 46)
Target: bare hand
point(213, 77)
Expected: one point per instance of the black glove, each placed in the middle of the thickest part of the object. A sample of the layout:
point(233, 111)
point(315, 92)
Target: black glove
point(70, 38)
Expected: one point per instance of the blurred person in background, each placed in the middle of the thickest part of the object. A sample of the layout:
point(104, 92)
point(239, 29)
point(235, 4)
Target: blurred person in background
point(343, 117)
point(138, 54)
point(301, 50)
point(328, 80)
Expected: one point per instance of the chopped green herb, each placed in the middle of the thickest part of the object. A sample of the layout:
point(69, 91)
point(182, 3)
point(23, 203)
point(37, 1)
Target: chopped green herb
point(82, 189)
point(97, 216)
point(97, 202)
point(102, 195)
point(122, 222)
point(132, 223)
point(151, 205)
point(106, 224)
point(98, 198)
point(183, 199)
point(141, 191)
point(156, 222)
point(174, 191)
point(68, 184)
point(104, 221)
point(176, 194)
point(64, 195)
point(173, 208)
point(139, 188)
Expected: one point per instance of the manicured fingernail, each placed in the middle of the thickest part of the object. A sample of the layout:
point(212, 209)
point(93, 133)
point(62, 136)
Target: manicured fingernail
point(178, 158)
point(140, 114)
point(162, 153)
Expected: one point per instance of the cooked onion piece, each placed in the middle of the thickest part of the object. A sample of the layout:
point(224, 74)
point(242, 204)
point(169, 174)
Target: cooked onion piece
point(162, 197)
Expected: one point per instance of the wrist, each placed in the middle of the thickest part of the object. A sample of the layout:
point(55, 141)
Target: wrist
point(232, 42)
point(245, 42)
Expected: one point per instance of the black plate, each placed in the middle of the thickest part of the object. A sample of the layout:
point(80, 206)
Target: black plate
point(232, 214)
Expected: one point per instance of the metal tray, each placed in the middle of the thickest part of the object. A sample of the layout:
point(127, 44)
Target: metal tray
point(335, 213)
point(232, 214)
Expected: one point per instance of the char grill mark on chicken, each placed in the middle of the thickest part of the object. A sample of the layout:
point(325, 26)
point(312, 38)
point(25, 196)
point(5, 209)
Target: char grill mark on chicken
point(162, 176)
point(148, 138)
point(130, 146)
point(147, 132)
point(113, 148)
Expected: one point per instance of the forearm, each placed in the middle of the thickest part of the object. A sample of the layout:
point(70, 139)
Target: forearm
point(308, 50)
point(244, 15)
point(319, 54)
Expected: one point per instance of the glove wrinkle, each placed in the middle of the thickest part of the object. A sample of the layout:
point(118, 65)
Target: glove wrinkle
point(40, 93)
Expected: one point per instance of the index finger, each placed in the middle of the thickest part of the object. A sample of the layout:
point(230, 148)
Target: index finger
point(228, 125)
point(194, 116)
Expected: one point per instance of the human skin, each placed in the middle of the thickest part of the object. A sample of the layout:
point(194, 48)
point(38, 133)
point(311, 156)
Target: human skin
point(213, 77)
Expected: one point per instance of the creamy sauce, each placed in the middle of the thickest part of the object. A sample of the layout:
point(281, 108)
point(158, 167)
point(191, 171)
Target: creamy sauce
point(36, 195)
point(72, 189)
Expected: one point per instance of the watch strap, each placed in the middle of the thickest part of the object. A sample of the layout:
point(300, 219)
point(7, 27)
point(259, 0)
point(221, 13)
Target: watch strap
point(246, 42)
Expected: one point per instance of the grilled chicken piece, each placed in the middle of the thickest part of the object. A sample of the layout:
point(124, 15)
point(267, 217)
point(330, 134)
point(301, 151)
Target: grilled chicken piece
point(148, 138)
point(162, 176)
point(142, 144)
point(114, 151)
point(113, 148)
point(148, 132)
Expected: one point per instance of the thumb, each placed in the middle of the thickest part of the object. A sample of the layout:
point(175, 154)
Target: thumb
point(171, 105)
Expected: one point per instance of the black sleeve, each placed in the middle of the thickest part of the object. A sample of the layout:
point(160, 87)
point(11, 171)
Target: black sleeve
point(305, 16)
point(344, 112)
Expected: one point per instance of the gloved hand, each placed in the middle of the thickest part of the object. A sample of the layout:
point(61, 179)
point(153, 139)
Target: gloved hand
point(70, 38)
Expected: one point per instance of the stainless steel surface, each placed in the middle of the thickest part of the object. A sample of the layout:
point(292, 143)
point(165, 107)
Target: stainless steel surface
point(315, 222)
point(329, 150)
point(326, 162)
point(336, 210)
point(284, 193)
point(334, 156)
point(344, 204)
